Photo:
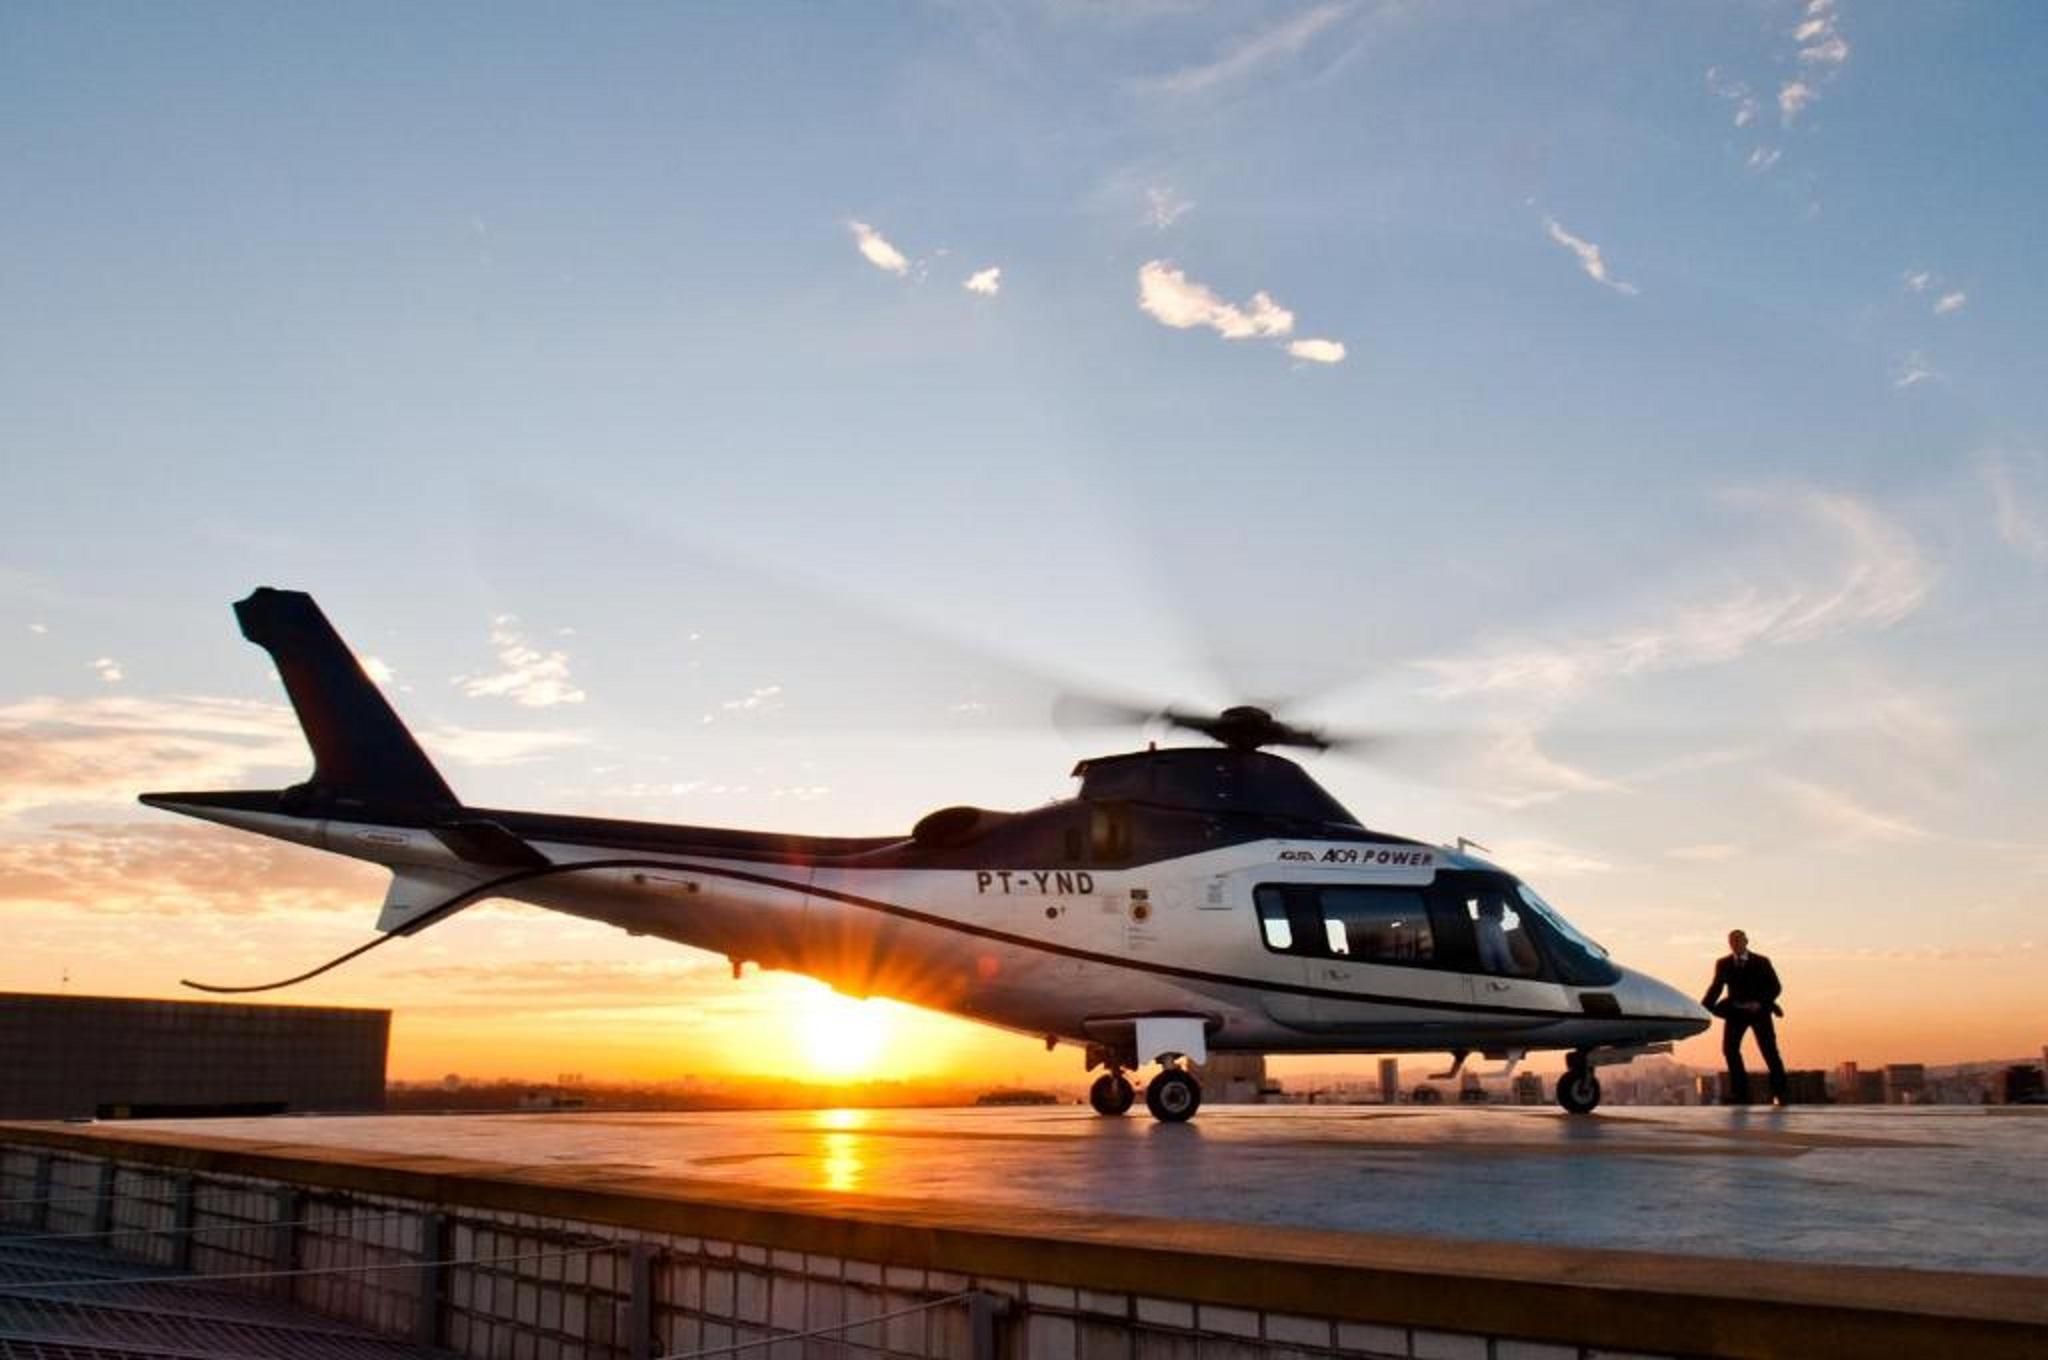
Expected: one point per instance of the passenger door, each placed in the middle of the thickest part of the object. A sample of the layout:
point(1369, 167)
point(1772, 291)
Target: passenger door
point(1284, 912)
point(1381, 947)
point(1503, 964)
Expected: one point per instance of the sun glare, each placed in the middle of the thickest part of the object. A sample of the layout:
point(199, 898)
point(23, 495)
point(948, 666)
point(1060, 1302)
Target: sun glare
point(842, 1037)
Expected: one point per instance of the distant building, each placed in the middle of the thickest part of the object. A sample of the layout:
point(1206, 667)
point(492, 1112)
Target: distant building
point(1806, 1087)
point(543, 1098)
point(2023, 1085)
point(1425, 1095)
point(1528, 1089)
point(1854, 1086)
point(107, 1057)
point(1009, 1096)
point(1708, 1086)
point(1390, 1079)
point(1470, 1092)
point(1234, 1079)
point(1905, 1083)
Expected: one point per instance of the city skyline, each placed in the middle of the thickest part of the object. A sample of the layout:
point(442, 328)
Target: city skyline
point(753, 417)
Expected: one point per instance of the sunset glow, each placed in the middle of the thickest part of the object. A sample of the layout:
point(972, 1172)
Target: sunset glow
point(842, 1037)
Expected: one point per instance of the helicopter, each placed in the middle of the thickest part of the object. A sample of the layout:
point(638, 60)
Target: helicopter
point(1187, 901)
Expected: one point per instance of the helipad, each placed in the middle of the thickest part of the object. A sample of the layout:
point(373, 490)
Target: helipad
point(1953, 1188)
point(1333, 1233)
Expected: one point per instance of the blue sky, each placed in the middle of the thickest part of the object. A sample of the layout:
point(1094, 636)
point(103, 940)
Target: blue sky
point(1684, 456)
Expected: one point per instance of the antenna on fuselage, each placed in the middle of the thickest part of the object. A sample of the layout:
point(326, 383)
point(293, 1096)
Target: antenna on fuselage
point(1467, 843)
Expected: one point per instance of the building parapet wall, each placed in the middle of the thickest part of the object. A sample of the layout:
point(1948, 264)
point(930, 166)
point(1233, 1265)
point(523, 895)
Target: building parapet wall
point(591, 1263)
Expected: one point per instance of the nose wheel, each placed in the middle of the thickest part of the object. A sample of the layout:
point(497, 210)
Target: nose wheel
point(1578, 1090)
point(1112, 1094)
point(1173, 1096)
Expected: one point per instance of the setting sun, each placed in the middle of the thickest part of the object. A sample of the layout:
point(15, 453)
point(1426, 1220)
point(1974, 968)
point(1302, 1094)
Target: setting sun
point(842, 1037)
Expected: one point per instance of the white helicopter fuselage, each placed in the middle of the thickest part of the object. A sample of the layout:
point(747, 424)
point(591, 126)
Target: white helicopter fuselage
point(1066, 954)
point(1188, 900)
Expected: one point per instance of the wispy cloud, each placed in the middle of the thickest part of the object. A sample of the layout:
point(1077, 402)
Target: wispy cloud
point(1318, 351)
point(177, 869)
point(1844, 815)
point(2005, 950)
point(1173, 299)
point(1820, 52)
point(2019, 523)
point(1793, 98)
point(60, 752)
point(1164, 207)
point(876, 250)
point(1513, 771)
point(1830, 50)
point(762, 699)
point(530, 677)
point(988, 282)
point(1531, 858)
point(1821, 41)
point(574, 979)
point(1705, 852)
point(1590, 258)
point(1872, 576)
point(1250, 54)
point(55, 752)
point(1736, 93)
point(1913, 370)
point(108, 670)
point(1947, 301)
point(498, 746)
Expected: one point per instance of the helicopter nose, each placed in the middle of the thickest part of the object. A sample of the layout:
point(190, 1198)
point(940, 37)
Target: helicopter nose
point(1646, 996)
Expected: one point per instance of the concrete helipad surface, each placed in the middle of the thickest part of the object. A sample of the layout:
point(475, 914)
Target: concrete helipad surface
point(1938, 1188)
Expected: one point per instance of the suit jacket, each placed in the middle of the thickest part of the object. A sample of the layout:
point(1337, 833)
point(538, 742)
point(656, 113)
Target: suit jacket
point(1754, 981)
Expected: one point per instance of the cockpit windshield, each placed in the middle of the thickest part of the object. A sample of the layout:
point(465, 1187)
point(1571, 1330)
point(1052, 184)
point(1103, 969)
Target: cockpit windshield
point(1579, 961)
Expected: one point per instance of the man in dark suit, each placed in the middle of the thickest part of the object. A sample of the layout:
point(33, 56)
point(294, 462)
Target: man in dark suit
point(1752, 987)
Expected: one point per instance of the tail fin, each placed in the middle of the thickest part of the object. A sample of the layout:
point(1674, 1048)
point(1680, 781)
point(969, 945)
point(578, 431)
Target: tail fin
point(361, 751)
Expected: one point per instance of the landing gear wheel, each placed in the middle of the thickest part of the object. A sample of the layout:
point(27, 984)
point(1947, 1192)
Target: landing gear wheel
point(1111, 1094)
point(1173, 1096)
point(1578, 1090)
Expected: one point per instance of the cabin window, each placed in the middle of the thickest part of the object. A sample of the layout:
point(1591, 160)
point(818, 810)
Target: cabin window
point(1362, 924)
point(1579, 961)
point(1273, 922)
point(1500, 934)
point(1378, 925)
point(1109, 835)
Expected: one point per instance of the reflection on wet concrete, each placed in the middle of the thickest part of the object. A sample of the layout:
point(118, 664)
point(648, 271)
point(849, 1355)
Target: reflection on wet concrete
point(1935, 1188)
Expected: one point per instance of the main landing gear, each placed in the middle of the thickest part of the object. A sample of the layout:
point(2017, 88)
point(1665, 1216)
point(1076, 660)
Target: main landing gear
point(1578, 1090)
point(1173, 1096)
point(1177, 1042)
point(1112, 1093)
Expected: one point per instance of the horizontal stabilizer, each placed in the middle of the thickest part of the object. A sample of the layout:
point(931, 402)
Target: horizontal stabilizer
point(415, 893)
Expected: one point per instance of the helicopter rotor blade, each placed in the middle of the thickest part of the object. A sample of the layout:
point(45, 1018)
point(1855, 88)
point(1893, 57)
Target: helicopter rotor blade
point(714, 622)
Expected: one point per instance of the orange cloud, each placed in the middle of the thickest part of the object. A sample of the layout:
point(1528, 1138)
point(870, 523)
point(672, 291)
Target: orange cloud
point(106, 749)
point(127, 868)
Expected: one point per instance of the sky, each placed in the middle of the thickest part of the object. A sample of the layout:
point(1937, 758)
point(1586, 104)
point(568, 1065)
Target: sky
point(752, 415)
